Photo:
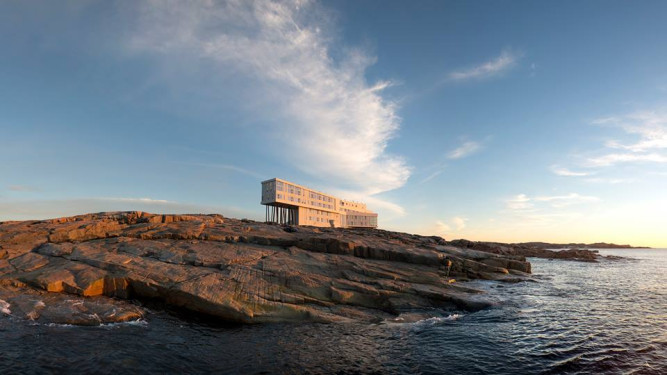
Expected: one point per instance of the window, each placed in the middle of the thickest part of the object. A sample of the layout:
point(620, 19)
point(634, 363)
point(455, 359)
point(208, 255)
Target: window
point(279, 185)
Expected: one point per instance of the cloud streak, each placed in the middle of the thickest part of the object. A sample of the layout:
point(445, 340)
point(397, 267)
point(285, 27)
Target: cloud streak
point(650, 127)
point(329, 121)
point(527, 211)
point(448, 227)
point(523, 202)
point(568, 173)
point(494, 67)
point(466, 149)
point(431, 176)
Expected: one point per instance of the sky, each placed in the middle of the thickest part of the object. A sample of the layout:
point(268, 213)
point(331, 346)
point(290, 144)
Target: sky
point(486, 120)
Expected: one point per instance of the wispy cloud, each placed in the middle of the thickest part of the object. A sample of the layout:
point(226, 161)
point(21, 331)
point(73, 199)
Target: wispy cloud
point(442, 228)
point(650, 127)
point(523, 202)
point(459, 222)
point(568, 173)
point(527, 211)
point(566, 200)
point(605, 120)
point(451, 226)
point(612, 181)
point(466, 149)
point(329, 122)
point(431, 176)
point(613, 159)
point(494, 67)
point(520, 202)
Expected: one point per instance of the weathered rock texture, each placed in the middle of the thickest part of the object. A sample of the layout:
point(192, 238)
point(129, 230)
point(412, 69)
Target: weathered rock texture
point(529, 251)
point(239, 270)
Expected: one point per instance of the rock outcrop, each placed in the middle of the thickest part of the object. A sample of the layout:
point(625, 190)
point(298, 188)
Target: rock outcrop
point(579, 246)
point(525, 250)
point(236, 270)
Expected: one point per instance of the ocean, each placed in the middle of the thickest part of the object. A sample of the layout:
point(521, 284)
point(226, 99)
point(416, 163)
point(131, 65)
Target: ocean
point(574, 318)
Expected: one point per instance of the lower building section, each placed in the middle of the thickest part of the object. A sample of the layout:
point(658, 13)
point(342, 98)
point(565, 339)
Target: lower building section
point(282, 214)
point(295, 215)
point(360, 220)
point(319, 218)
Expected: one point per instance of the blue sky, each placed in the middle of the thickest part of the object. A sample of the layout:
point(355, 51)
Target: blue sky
point(488, 120)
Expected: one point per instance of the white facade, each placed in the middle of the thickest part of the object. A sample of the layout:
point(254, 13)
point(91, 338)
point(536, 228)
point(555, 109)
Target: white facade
point(290, 203)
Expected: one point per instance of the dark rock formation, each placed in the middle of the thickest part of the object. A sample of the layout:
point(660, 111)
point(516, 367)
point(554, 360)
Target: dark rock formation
point(237, 270)
point(580, 246)
point(524, 250)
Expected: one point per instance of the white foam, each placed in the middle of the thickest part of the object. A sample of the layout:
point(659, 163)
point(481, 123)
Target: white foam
point(138, 323)
point(4, 307)
point(438, 319)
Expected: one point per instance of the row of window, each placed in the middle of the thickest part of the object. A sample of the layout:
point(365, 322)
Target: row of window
point(289, 188)
point(318, 219)
point(321, 197)
point(364, 220)
point(355, 205)
point(321, 213)
point(298, 200)
point(323, 205)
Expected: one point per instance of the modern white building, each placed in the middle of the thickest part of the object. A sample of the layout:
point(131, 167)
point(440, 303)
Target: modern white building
point(289, 203)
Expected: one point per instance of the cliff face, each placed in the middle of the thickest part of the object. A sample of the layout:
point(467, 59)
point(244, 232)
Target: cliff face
point(236, 270)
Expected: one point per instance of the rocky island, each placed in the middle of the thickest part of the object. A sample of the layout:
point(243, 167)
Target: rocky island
point(92, 269)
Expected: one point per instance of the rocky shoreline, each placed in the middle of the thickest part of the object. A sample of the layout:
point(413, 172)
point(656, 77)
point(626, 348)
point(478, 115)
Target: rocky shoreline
point(88, 269)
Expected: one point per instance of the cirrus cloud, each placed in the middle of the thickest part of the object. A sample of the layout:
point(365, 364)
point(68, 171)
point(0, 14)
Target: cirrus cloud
point(329, 121)
point(466, 149)
point(650, 146)
point(494, 67)
point(567, 172)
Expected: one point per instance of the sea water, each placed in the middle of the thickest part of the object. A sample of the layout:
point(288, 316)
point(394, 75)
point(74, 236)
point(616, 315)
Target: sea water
point(607, 317)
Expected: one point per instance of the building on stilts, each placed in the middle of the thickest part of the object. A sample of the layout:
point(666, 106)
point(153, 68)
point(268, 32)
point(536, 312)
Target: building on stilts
point(292, 204)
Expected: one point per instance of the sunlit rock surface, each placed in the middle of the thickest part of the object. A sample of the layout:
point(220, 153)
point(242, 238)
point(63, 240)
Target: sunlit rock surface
point(237, 270)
